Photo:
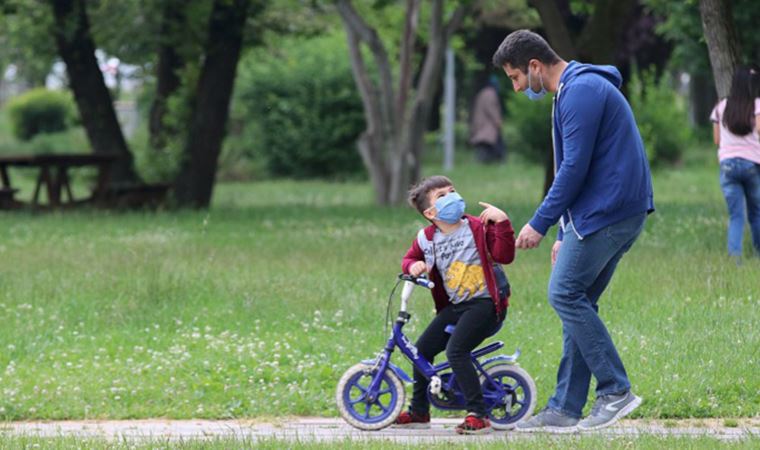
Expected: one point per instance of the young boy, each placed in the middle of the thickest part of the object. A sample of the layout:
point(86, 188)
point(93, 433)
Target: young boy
point(462, 255)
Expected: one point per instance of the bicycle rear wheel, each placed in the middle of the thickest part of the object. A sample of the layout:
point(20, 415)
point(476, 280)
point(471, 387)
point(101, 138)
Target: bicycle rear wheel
point(512, 397)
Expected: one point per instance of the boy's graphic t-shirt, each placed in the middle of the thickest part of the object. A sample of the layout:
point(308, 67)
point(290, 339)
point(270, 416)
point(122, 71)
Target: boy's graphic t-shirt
point(456, 257)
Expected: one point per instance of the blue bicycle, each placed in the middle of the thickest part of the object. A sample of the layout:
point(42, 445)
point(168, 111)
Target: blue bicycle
point(371, 394)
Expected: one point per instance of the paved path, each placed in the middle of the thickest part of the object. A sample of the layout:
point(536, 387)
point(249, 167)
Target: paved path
point(329, 429)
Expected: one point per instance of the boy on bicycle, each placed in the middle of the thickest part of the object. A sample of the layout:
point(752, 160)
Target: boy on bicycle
point(462, 255)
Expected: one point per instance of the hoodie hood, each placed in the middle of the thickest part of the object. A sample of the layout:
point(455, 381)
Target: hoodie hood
point(609, 73)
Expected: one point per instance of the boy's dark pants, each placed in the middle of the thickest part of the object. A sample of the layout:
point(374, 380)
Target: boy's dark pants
point(475, 320)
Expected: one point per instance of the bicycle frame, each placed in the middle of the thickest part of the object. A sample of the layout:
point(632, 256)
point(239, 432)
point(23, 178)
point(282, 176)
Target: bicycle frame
point(400, 340)
point(370, 395)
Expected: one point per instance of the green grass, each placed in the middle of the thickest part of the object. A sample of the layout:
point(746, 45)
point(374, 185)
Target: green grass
point(731, 423)
point(532, 442)
point(256, 307)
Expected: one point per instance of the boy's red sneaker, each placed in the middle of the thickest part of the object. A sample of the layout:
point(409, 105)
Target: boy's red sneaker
point(409, 419)
point(473, 424)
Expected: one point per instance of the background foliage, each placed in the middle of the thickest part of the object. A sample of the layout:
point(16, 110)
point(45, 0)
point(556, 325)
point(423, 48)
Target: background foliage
point(661, 115)
point(528, 129)
point(659, 110)
point(39, 111)
point(298, 110)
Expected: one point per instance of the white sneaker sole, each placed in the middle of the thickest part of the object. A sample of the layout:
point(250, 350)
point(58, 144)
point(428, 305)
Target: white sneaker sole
point(553, 430)
point(624, 411)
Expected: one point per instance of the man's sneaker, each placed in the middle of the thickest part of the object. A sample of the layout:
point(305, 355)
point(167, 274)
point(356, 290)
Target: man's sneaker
point(548, 421)
point(412, 420)
point(608, 409)
point(474, 424)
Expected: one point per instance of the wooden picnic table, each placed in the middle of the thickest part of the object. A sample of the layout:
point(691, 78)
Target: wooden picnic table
point(53, 175)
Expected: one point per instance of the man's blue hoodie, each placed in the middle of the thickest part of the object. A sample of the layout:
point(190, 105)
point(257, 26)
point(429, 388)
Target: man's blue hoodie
point(601, 169)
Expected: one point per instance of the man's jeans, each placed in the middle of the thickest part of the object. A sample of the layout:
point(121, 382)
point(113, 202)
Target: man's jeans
point(740, 182)
point(580, 275)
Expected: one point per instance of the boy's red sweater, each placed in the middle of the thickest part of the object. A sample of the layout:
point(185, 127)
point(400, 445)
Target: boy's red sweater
point(495, 243)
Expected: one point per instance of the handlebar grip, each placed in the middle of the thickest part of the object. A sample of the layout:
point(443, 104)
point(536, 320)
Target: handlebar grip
point(419, 281)
point(424, 282)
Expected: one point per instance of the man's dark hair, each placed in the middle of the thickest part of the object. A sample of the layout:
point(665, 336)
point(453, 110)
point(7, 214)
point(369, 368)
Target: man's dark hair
point(520, 47)
point(739, 115)
point(418, 194)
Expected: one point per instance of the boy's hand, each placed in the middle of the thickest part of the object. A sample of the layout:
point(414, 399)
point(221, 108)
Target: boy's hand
point(417, 269)
point(492, 213)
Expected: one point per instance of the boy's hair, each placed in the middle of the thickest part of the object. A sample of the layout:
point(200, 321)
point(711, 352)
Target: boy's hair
point(520, 46)
point(418, 194)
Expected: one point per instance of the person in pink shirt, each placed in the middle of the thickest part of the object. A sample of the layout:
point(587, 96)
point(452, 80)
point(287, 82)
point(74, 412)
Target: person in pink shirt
point(736, 122)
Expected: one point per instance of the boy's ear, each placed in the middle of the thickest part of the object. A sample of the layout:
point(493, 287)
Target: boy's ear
point(430, 213)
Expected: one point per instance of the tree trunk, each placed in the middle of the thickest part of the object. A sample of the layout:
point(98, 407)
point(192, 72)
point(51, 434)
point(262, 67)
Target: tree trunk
point(702, 98)
point(392, 144)
point(722, 43)
point(597, 43)
point(77, 49)
point(548, 171)
point(413, 130)
point(169, 64)
point(376, 145)
point(559, 38)
point(601, 35)
point(556, 30)
point(195, 183)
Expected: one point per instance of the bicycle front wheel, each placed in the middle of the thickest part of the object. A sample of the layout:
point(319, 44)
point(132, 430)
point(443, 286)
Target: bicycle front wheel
point(367, 410)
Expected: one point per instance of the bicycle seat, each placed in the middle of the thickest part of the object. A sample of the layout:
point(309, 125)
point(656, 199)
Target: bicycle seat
point(450, 329)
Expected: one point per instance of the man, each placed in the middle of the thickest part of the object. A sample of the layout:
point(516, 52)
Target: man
point(601, 195)
point(485, 124)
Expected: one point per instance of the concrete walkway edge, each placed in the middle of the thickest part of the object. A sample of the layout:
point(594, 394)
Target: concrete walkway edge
point(333, 429)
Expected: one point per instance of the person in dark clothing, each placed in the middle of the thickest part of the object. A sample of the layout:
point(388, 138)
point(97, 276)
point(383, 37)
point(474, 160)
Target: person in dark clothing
point(485, 124)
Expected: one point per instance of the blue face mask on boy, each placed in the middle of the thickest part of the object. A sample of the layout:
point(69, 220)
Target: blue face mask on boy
point(533, 95)
point(450, 208)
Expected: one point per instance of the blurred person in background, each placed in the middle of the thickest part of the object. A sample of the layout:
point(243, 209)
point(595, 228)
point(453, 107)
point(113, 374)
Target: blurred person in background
point(736, 121)
point(485, 124)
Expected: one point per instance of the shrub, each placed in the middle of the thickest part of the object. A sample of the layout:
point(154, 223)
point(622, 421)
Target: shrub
point(71, 140)
point(529, 127)
point(661, 115)
point(40, 111)
point(154, 166)
point(298, 110)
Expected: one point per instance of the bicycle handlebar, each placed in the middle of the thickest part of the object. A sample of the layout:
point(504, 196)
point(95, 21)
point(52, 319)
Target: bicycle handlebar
point(419, 281)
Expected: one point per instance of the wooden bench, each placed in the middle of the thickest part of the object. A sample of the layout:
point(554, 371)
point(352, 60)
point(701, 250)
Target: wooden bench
point(53, 176)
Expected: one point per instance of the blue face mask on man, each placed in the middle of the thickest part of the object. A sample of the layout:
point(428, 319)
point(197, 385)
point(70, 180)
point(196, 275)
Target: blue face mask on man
point(533, 95)
point(450, 208)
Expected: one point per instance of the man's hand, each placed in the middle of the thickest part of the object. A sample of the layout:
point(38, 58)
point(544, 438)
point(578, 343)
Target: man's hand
point(555, 251)
point(492, 213)
point(417, 269)
point(528, 238)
